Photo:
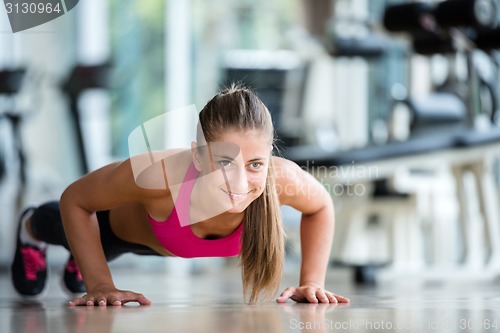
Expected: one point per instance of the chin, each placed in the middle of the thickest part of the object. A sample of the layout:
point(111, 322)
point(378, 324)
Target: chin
point(237, 209)
point(240, 207)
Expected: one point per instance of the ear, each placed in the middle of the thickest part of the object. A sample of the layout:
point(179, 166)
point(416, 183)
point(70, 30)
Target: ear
point(196, 155)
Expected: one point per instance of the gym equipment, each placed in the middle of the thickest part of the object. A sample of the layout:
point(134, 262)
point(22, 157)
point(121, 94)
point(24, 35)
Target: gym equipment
point(442, 125)
point(415, 17)
point(82, 78)
point(453, 27)
point(11, 81)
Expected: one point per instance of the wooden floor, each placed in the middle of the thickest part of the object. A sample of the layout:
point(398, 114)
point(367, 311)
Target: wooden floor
point(213, 303)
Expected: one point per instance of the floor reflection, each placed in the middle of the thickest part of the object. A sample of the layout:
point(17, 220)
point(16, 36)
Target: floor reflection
point(199, 306)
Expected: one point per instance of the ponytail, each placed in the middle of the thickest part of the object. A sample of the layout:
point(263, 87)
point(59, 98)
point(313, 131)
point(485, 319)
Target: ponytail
point(262, 248)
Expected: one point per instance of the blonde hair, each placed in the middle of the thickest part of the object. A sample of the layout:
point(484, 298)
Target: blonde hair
point(262, 241)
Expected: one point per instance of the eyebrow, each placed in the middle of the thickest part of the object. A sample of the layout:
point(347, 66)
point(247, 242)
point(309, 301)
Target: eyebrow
point(257, 159)
point(232, 159)
point(224, 157)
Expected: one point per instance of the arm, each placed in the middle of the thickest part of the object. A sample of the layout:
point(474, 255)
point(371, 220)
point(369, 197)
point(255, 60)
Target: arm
point(303, 192)
point(316, 237)
point(106, 188)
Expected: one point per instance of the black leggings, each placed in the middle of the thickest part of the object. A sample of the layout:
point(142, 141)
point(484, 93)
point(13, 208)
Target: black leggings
point(46, 225)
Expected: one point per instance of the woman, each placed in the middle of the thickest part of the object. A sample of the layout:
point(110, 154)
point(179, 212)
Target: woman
point(222, 197)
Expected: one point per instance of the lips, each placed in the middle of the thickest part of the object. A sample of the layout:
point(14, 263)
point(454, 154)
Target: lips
point(236, 196)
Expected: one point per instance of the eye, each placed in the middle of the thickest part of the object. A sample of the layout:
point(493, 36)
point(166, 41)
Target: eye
point(224, 163)
point(256, 165)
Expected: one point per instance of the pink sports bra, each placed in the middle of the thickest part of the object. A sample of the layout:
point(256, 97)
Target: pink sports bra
point(181, 241)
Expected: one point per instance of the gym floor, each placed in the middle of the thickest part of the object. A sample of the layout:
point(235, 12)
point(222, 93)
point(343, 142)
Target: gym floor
point(213, 303)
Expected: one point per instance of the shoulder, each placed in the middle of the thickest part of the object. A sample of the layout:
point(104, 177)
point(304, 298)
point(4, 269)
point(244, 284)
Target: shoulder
point(289, 178)
point(156, 170)
point(298, 188)
point(283, 168)
point(138, 179)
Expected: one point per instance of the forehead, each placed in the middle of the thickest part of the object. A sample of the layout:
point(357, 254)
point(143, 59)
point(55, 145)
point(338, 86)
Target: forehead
point(249, 138)
point(251, 144)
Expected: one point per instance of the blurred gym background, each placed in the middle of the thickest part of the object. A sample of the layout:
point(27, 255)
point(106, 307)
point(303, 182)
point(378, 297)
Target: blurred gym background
point(391, 104)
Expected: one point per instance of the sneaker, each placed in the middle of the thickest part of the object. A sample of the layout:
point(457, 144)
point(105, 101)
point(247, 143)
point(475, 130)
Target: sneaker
point(29, 267)
point(72, 278)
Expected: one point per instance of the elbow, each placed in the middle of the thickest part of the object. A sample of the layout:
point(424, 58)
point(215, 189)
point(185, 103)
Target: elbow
point(71, 206)
point(328, 202)
point(328, 208)
point(70, 199)
point(66, 201)
point(67, 197)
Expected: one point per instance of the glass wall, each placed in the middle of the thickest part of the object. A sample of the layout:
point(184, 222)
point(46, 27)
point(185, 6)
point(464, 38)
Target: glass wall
point(138, 52)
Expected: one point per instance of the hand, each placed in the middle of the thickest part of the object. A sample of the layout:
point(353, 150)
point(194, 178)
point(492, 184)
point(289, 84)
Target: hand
point(107, 295)
point(310, 293)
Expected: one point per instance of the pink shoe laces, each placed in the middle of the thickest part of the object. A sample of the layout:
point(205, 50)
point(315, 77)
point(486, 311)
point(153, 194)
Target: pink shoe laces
point(34, 262)
point(73, 268)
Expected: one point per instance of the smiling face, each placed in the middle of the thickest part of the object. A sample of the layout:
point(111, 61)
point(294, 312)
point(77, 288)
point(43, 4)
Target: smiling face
point(233, 169)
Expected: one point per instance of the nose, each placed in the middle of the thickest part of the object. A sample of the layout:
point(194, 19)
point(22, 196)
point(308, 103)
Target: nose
point(238, 181)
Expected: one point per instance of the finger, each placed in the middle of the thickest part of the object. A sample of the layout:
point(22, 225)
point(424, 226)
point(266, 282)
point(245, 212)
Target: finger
point(86, 300)
point(143, 300)
point(285, 295)
point(311, 296)
point(331, 298)
point(320, 295)
point(102, 302)
point(342, 299)
point(114, 301)
point(133, 297)
point(77, 301)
